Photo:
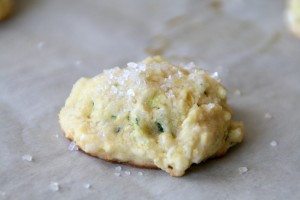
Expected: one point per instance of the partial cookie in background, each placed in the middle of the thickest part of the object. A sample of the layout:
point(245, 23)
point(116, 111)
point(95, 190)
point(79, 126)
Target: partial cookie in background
point(151, 114)
point(293, 16)
point(6, 7)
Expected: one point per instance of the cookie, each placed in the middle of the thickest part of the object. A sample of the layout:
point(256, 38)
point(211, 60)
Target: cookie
point(293, 16)
point(6, 7)
point(153, 114)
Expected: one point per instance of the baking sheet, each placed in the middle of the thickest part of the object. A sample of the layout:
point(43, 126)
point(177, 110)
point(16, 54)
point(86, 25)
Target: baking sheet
point(47, 45)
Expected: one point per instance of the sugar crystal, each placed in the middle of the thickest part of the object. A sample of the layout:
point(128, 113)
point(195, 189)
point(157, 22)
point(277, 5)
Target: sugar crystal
point(27, 157)
point(273, 143)
point(132, 65)
point(54, 186)
point(72, 146)
point(87, 186)
point(117, 174)
point(118, 168)
point(243, 170)
point(127, 173)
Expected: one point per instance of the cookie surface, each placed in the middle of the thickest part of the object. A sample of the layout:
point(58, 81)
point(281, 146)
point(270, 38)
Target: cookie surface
point(153, 114)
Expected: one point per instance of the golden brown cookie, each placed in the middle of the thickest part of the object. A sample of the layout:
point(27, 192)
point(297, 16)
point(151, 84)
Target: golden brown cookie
point(293, 16)
point(6, 7)
point(151, 114)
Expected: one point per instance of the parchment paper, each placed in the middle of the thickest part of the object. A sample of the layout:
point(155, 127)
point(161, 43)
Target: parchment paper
point(47, 45)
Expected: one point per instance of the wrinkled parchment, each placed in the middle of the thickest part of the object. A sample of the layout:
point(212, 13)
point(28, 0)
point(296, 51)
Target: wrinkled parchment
point(47, 45)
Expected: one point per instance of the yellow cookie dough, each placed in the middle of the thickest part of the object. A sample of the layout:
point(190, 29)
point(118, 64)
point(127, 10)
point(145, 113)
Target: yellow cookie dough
point(293, 16)
point(6, 7)
point(151, 114)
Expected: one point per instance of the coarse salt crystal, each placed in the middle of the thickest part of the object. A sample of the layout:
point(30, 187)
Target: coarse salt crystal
point(27, 157)
point(118, 168)
point(127, 173)
point(87, 186)
point(54, 186)
point(73, 146)
point(117, 174)
point(268, 116)
point(56, 135)
point(243, 170)
point(140, 173)
point(237, 93)
point(273, 143)
point(132, 65)
point(2, 193)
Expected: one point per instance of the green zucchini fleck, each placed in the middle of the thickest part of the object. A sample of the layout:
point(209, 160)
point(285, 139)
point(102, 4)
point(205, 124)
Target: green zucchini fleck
point(159, 127)
point(117, 129)
point(136, 121)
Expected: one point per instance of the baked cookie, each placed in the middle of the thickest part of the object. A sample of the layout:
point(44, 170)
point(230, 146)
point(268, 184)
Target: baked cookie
point(6, 7)
point(151, 114)
point(293, 16)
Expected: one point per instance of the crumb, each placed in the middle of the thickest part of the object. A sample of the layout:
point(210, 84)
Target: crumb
point(175, 21)
point(216, 4)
